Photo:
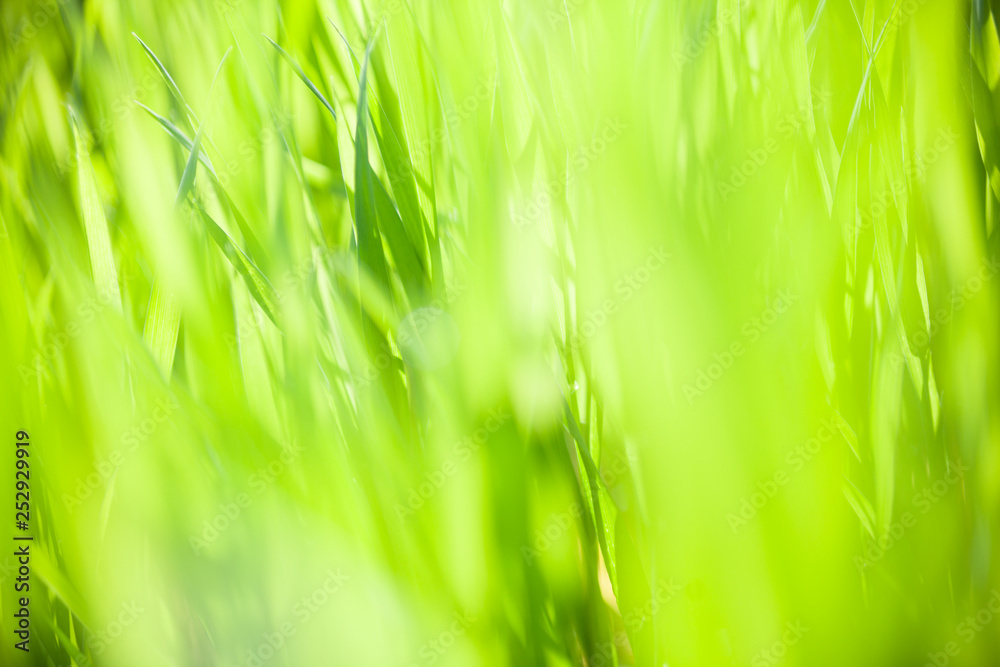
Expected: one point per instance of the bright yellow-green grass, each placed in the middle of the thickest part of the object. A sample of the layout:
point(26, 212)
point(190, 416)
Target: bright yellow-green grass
point(469, 332)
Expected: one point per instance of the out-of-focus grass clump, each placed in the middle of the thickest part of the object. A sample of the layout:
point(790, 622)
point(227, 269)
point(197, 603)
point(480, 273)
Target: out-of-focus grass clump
point(481, 333)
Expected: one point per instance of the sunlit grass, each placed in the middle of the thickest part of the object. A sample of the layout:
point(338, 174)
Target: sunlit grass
point(482, 333)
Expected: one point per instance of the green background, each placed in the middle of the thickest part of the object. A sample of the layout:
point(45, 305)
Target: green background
point(565, 332)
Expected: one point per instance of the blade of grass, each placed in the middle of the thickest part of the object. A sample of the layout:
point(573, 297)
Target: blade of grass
point(102, 260)
point(302, 75)
point(369, 240)
point(171, 85)
point(254, 247)
point(256, 281)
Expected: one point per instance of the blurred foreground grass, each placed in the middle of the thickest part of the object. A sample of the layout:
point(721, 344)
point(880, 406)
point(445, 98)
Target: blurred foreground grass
point(477, 333)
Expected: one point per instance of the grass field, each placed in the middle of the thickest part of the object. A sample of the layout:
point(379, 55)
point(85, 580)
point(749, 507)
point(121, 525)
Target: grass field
point(569, 332)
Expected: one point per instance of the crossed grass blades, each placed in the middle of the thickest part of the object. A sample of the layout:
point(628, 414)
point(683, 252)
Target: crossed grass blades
point(238, 209)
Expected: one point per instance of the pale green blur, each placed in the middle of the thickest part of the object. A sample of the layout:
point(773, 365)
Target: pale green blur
point(648, 333)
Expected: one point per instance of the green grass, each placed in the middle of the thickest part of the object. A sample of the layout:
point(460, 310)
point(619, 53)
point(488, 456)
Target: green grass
point(481, 333)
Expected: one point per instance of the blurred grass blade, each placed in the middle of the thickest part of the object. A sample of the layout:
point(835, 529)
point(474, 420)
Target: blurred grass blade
point(256, 282)
point(369, 240)
point(102, 260)
point(162, 323)
point(888, 273)
point(861, 506)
